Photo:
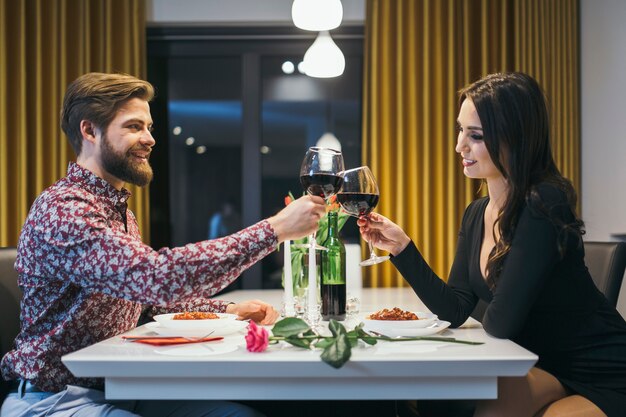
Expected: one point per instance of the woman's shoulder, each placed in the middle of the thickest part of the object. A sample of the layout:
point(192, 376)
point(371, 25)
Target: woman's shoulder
point(477, 205)
point(475, 210)
point(549, 192)
point(552, 200)
point(546, 195)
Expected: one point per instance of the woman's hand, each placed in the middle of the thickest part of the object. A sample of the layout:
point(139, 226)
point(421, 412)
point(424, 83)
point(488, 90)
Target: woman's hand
point(383, 233)
point(257, 310)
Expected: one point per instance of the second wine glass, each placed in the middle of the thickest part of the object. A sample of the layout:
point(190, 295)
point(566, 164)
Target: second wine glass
point(358, 197)
point(320, 174)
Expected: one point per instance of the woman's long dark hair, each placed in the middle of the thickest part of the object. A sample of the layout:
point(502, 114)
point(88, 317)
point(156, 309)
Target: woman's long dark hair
point(514, 116)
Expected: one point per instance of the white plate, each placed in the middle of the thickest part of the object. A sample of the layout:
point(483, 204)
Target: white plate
point(166, 320)
point(436, 327)
point(425, 320)
point(233, 327)
point(198, 349)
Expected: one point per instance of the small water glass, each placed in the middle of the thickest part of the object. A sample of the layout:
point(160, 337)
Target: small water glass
point(353, 306)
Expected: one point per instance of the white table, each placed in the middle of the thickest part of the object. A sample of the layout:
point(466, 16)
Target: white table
point(400, 370)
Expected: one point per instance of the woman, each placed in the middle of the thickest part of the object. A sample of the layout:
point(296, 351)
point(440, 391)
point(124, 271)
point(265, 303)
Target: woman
point(520, 250)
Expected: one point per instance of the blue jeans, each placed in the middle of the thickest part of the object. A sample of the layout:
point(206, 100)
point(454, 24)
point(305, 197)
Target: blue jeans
point(84, 402)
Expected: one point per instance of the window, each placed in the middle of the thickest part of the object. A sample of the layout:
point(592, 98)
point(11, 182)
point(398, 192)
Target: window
point(232, 128)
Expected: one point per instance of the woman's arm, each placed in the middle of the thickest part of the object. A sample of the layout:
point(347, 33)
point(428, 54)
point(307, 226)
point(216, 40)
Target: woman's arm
point(454, 301)
point(529, 263)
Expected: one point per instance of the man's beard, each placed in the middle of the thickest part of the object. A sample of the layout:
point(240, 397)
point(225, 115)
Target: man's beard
point(123, 167)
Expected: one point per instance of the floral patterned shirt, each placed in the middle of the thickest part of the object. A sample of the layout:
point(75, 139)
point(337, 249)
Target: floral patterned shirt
point(85, 275)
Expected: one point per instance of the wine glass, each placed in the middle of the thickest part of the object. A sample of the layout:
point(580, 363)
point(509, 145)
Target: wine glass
point(358, 197)
point(320, 175)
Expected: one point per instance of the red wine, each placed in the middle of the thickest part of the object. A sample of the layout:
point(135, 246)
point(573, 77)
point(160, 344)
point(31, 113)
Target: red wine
point(323, 185)
point(333, 301)
point(333, 267)
point(357, 204)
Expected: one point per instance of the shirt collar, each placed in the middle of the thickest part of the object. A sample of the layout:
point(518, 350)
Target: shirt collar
point(96, 185)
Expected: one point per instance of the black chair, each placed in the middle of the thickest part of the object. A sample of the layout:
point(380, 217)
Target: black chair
point(606, 262)
point(10, 296)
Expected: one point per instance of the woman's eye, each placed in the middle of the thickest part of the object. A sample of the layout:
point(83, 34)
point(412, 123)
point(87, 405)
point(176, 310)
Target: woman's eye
point(476, 136)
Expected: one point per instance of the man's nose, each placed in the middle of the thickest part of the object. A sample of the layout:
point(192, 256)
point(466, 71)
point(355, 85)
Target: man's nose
point(147, 139)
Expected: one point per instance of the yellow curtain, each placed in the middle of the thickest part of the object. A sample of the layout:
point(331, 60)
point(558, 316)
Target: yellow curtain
point(44, 45)
point(418, 54)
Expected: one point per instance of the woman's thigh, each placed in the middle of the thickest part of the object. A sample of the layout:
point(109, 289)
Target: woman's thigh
point(572, 406)
point(523, 396)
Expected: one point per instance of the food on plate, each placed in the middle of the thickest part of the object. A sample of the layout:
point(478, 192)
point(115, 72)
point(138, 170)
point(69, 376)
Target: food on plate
point(395, 314)
point(195, 315)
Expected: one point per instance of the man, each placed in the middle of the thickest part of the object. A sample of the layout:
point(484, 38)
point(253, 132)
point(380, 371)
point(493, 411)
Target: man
point(85, 273)
point(225, 221)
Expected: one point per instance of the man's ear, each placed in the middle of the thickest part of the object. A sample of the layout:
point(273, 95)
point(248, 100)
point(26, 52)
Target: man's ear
point(88, 130)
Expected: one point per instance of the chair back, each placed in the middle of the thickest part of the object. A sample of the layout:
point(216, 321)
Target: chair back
point(10, 296)
point(606, 262)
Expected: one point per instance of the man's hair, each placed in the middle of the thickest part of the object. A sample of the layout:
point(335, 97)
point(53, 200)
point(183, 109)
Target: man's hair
point(97, 97)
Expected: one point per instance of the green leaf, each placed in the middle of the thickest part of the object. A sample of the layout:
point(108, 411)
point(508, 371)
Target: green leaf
point(324, 343)
point(341, 220)
point(364, 336)
point(353, 338)
point(338, 352)
point(322, 230)
point(336, 328)
point(309, 333)
point(290, 326)
point(296, 270)
point(296, 341)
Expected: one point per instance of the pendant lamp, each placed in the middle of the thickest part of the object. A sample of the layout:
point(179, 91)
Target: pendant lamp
point(324, 59)
point(317, 15)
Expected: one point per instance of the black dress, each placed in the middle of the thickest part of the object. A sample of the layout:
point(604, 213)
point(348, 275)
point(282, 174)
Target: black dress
point(542, 301)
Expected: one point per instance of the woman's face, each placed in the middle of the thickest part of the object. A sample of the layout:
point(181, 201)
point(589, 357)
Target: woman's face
point(470, 145)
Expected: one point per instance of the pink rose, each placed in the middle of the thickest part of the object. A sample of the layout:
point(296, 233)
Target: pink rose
point(257, 338)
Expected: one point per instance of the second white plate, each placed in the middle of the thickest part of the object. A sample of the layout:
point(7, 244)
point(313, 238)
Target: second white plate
point(437, 327)
point(197, 349)
point(233, 326)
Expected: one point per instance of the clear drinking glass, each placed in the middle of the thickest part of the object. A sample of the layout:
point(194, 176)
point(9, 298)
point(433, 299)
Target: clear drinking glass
point(359, 196)
point(320, 175)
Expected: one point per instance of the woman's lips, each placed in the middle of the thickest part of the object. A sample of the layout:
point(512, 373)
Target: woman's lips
point(468, 162)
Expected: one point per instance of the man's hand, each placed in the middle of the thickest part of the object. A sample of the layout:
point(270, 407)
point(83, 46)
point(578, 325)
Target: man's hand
point(257, 310)
point(299, 218)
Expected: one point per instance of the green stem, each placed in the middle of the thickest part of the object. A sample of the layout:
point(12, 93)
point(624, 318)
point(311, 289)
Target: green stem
point(389, 339)
point(431, 338)
point(299, 337)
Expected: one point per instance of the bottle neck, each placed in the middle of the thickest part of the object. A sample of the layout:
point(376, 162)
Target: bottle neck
point(332, 224)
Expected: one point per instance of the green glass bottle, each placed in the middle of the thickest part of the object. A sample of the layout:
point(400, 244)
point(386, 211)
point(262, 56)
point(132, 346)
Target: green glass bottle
point(333, 268)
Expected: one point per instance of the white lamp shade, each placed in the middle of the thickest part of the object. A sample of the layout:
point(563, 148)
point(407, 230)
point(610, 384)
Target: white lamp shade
point(317, 14)
point(324, 59)
point(328, 140)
